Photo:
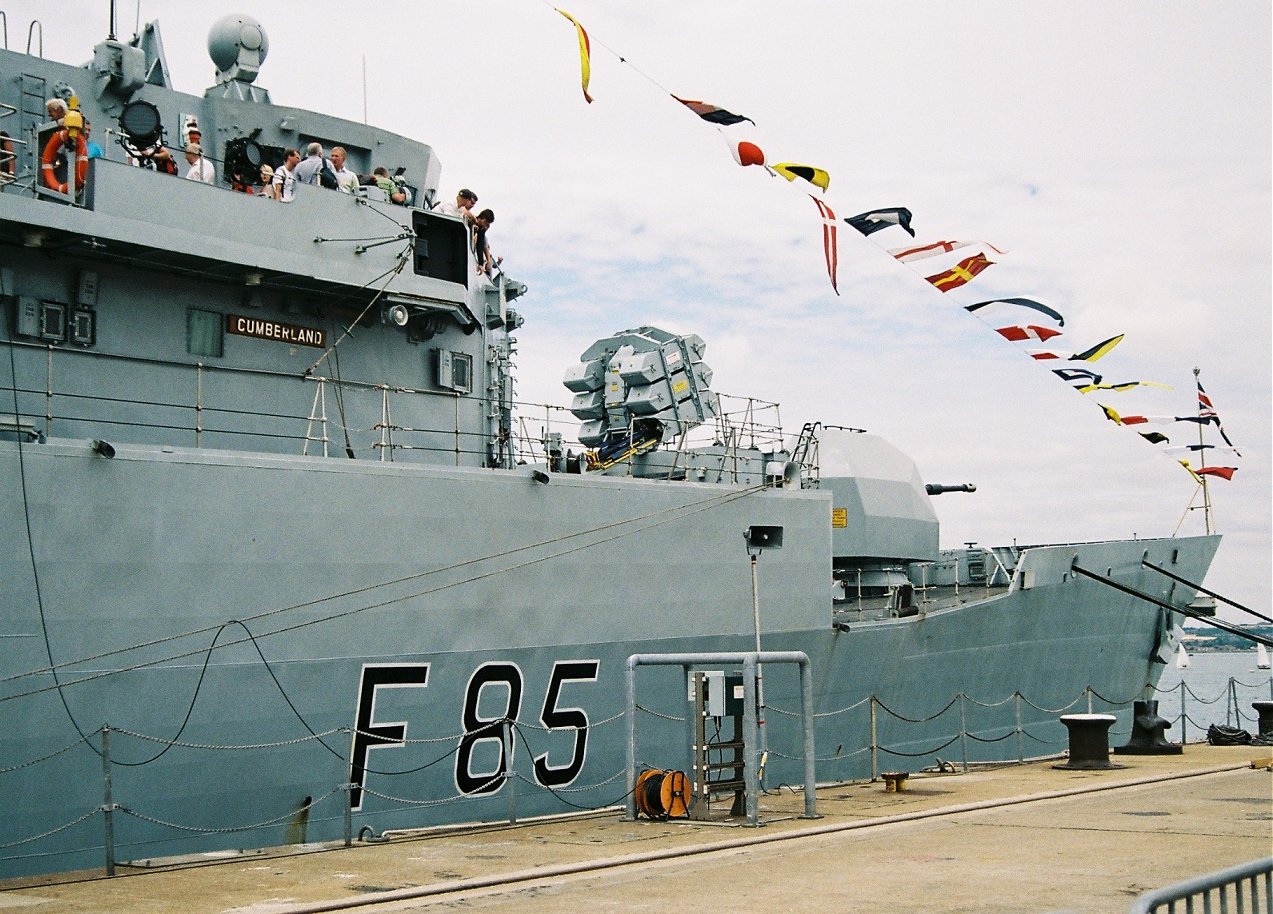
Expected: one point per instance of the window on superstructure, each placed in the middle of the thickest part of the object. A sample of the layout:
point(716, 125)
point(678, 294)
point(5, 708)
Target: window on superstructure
point(462, 372)
point(454, 370)
point(205, 333)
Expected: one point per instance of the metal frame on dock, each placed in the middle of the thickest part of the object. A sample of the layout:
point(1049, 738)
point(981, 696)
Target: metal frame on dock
point(751, 661)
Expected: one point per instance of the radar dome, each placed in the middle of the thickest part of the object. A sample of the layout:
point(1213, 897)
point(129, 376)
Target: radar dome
point(237, 45)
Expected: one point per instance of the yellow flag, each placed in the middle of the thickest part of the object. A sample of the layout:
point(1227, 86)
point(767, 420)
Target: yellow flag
point(1100, 350)
point(815, 176)
point(585, 55)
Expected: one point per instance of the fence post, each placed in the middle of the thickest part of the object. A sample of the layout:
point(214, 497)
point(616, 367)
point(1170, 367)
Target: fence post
point(511, 777)
point(108, 802)
point(349, 813)
point(1229, 702)
point(875, 753)
point(629, 808)
point(963, 731)
point(1016, 704)
point(1184, 717)
point(1088, 691)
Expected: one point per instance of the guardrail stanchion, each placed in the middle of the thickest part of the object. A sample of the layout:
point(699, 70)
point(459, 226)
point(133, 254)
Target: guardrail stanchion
point(108, 801)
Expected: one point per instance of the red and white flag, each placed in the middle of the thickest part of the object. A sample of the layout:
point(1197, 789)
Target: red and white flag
point(937, 247)
point(1019, 332)
point(828, 239)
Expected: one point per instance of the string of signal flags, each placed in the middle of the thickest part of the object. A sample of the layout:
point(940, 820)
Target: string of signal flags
point(1018, 320)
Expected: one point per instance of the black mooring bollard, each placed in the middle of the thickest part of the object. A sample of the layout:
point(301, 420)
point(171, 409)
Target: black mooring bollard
point(1089, 742)
point(1147, 736)
point(1265, 711)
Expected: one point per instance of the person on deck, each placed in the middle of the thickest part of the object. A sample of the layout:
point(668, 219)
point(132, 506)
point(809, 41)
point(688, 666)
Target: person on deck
point(395, 193)
point(462, 207)
point(200, 168)
point(486, 261)
point(346, 180)
point(284, 181)
point(307, 171)
point(95, 150)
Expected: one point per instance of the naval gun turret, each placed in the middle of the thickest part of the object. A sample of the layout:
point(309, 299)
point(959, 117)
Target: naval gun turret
point(638, 389)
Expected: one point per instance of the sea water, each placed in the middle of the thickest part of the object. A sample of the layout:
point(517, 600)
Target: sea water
point(1208, 695)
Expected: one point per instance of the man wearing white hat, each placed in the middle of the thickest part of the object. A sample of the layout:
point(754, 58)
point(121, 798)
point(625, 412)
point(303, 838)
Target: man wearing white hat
point(200, 168)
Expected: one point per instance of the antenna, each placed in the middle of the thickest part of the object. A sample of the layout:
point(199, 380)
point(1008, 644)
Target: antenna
point(111, 36)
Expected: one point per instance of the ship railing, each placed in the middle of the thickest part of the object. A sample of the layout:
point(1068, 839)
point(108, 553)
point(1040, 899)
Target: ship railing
point(744, 424)
point(221, 415)
point(1237, 888)
point(9, 157)
point(34, 30)
point(977, 732)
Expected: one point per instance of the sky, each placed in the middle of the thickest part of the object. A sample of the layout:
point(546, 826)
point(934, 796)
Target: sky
point(1120, 154)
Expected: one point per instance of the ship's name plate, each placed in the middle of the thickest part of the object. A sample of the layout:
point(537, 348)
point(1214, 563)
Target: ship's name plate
point(275, 330)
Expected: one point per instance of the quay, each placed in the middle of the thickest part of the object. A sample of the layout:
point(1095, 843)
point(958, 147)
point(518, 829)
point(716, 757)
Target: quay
point(1013, 838)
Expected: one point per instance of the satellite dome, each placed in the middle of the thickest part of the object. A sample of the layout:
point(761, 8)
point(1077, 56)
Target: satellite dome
point(238, 45)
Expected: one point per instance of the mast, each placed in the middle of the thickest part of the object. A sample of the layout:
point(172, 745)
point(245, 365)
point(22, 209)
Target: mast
point(1206, 493)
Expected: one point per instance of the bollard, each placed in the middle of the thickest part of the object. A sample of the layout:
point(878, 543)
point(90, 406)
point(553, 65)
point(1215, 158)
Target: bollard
point(1147, 736)
point(1089, 742)
point(895, 781)
point(1265, 711)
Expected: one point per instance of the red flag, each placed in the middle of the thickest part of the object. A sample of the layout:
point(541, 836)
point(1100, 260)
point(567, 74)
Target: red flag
point(828, 239)
point(960, 273)
point(1222, 472)
point(746, 153)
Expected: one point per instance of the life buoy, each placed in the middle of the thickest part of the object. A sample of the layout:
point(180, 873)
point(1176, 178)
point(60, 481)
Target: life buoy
point(48, 160)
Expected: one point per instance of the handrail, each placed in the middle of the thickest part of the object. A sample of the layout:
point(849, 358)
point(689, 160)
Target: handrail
point(553, 415)
point(1235, 877)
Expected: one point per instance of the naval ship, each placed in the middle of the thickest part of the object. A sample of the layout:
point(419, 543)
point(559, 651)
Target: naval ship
point(286, 559)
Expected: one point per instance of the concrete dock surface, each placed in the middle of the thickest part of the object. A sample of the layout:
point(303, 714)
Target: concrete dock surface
point(1019, 838)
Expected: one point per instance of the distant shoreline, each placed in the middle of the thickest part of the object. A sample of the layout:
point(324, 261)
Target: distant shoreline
point(1208, 649)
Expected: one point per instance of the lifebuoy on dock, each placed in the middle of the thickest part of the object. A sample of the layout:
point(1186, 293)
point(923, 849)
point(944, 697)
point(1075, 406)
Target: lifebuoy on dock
point(49, 158)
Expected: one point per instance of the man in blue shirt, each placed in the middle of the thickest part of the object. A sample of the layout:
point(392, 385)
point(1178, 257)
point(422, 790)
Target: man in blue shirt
point(307, 171)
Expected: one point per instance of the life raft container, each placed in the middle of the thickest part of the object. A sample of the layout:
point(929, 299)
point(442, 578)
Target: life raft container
point(49, 158)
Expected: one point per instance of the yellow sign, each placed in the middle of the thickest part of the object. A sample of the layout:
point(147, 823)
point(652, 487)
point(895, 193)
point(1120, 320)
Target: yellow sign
point(839, 517)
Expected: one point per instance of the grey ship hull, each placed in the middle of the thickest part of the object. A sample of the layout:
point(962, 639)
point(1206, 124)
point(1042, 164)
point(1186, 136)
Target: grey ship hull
point(230, 670)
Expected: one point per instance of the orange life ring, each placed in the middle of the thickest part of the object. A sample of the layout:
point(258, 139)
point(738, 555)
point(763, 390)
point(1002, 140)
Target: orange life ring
point(7, 160)
point(48, 159)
